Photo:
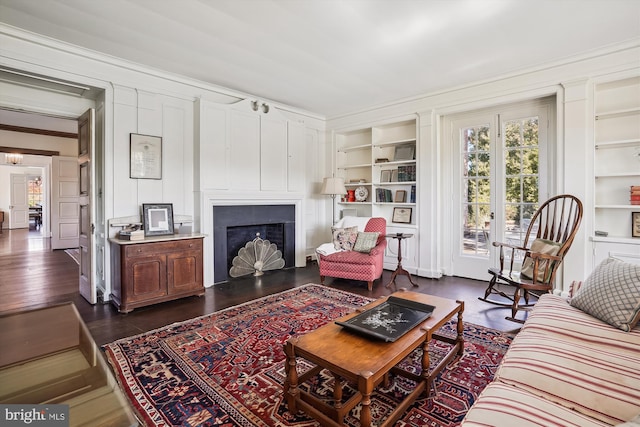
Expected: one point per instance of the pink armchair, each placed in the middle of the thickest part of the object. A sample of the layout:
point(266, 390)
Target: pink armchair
point(349, 264)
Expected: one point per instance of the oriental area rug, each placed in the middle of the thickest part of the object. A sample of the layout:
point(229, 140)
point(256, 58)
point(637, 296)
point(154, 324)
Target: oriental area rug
point(227, 368)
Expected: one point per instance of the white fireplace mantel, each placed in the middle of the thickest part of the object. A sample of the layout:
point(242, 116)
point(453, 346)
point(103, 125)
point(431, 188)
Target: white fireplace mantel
point(209, 199)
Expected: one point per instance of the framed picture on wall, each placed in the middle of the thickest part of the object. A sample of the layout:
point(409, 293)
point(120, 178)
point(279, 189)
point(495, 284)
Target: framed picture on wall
point(157, 219)
point(635, 224)
point(145, 156)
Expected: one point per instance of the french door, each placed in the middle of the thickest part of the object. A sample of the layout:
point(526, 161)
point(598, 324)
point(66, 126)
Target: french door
point(500, 161)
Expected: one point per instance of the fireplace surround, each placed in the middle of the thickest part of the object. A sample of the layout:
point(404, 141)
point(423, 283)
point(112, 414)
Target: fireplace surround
point(235, 225)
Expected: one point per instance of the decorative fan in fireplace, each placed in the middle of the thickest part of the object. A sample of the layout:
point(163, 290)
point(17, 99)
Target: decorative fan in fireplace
point(257, 256)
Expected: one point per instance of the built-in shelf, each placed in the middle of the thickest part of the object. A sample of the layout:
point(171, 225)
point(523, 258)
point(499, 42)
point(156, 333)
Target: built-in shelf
point(398, 142)
point(363, 165)
point(616, 138)
point(618, 174)
point(629, 207)
point(614, 239)
point(358, 155)
point(355, 148)
point(618, 144)
point(614, 113)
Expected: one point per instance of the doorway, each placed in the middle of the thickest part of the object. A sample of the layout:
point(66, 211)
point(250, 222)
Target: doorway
point(501, 160)
point(26, 114)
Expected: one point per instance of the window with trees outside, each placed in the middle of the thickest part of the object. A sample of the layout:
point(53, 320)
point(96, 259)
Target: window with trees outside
point(34, 191)
point(521, 157)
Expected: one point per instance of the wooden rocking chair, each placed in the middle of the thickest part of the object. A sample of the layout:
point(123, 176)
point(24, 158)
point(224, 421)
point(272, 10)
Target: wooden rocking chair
point(548, 238)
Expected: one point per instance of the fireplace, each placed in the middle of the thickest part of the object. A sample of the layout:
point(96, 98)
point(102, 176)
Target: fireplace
point(234, 226)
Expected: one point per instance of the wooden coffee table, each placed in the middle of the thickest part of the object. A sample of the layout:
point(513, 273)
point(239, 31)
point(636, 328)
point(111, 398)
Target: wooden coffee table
point(366, 362)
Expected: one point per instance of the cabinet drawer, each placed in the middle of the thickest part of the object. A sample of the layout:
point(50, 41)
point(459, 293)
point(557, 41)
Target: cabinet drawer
point(143, 249)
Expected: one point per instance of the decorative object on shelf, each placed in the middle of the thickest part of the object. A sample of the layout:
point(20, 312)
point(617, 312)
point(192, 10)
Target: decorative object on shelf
point(385, 175)
point(131, 232)
point(157, 219)
point(256, 257)
point(13, 158)
point(401, 196)
point(404, 152)
point(402, 215)
point(601, 233)
point(635, 224)
point(382, 160)
point(145, 156)
point(361, 194)
point(332, 187)
point(634, 195)
point(351, 195)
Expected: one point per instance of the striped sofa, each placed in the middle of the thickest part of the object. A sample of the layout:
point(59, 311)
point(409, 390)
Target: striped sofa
point(564, 368)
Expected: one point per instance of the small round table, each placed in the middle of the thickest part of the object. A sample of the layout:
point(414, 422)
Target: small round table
point(399, 269)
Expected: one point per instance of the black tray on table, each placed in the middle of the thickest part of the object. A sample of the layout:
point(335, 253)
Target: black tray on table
point(389, 320)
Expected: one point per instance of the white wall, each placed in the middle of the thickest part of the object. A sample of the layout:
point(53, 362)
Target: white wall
point(146, 101)
point(570, 81)
point(135, 100)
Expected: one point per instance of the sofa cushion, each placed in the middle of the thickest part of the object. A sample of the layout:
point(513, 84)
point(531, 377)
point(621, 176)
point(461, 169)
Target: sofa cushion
point(540, 246)
point(572, 359)
point(503, 405)
point(366, 241)
point(351, 257)
point(554, 316)
point(612, 294)
point(344, 238)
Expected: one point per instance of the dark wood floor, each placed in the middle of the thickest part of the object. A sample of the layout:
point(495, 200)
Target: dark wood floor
point(32, 275)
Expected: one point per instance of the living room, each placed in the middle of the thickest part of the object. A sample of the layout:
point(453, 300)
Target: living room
point(188, 113)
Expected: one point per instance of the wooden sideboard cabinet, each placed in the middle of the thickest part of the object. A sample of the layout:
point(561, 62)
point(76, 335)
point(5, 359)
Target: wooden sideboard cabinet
point(156, 269)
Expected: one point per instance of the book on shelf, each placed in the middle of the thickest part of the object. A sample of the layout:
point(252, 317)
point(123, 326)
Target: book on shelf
point(383, 195)
point(412, 195)
point(406, 173)
point(131, 234)
point(634, 195)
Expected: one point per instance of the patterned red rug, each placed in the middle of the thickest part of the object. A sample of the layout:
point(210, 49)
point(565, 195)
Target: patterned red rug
point(227, 368)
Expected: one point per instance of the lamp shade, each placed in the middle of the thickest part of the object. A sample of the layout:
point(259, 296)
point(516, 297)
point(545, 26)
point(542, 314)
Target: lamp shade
point(333, 186)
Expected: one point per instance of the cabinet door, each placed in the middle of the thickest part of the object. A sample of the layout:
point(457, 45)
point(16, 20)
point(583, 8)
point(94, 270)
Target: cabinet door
point(212, 146)
point(273, 154)
point(245, 151)
point(184, 271)
point(146, 278)
point(296, 160)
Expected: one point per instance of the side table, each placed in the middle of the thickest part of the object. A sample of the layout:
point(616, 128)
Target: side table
point(399, 269)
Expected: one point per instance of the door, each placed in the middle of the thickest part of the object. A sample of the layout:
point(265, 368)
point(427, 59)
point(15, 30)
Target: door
point(474, 201)
point(19, 206)
point(85, 168)
point(64, 202)
point(500, 159)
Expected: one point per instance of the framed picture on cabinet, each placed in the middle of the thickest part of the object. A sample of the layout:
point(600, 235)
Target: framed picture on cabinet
point(635, 224)
point(402, 215)
point(145, 156)
point(401, 196)
point(157, 219)
point(385, 175)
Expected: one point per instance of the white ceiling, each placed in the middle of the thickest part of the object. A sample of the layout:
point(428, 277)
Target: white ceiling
point(332, 57)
